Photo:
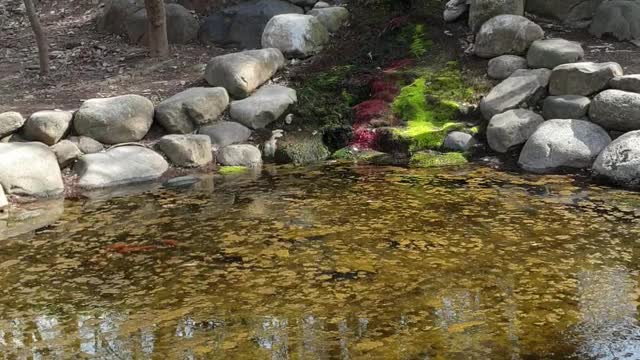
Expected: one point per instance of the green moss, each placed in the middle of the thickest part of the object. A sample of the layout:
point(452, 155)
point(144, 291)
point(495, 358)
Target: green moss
point(350, 154)
point(301, 150)
point(430, 106)
point(419, 45)
point(432, 159)
point(228, 170)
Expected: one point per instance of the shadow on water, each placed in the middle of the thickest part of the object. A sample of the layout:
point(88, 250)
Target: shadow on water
point(327, 262)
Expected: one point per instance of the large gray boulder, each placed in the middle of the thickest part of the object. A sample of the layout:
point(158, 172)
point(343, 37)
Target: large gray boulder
point(114, 120)
point(571, 12)
point(186, 150)
point(480, 11)
point(626, 82)
point(619, 18)
point(182, 27)
point(619, 162)
point(522, 88)
point(511, 128)
point(616, 110)
point(29, 169)
point(454, 9)
point(240, 155)
point(502, 67)
point(565, 107)
point(506, 34)
point(86, 144)
point(458, 141)
point(560, 144)
point(10, 122)
point(553, 52)
point(224, 133)
point(262, 108)
point(296, 35)
point(47, 126)
point(66, 153)
point(242, 25)
point(115, 13)
point(118, 166)
point(241, 73)
point(333, 18)
point(583, 78)
point(188, 110)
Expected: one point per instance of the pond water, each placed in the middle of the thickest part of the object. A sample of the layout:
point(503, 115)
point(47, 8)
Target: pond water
point(329, 262)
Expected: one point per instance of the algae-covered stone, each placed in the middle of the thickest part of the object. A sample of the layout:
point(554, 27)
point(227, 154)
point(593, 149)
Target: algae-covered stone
point(349, 153)
point(230, 170)
point(428, 159)
point(301, 150)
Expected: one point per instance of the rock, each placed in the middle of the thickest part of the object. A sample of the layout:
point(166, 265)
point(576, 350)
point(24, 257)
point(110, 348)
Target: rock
point(10, 122)
point(114, 120)
point(619, 18)
point(240, 155)
point(115, 14)
point(262, 108)
point(86, 144)
point(48, 126)
point(187, 150)
point(301, 149)
point(565, 143)
point(458, 141)
point(297, 36)
point(454, 9)
point(626, 82)
point(565, 107)
point(583, 78)
point(118, 166)
point(524, 87)
point(321, 5)
point(571, 12)
point(512, 128)
point(480, 11)
point(241, 73)
point(4, 203)
point(619, 162)
point(553, 52)
point(182, 27)
point(242, 25)
point(29, 169)
point(188, 110)
point(66, 152)
point(502, 67)
point(333, 18)
point(616, 110)
point(225, 133)
point(304, 3)
point(506, 34)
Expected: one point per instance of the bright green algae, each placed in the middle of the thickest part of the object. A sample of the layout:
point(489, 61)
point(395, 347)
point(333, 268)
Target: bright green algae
point(329, 262)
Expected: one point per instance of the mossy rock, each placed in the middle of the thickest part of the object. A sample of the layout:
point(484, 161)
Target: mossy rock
point(429, 159)
point(230, 170)
point(301, 149)
point(430, 106)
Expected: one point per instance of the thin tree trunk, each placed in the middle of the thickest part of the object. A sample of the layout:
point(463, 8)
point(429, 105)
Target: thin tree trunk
point(158, 42)
point(41, 40)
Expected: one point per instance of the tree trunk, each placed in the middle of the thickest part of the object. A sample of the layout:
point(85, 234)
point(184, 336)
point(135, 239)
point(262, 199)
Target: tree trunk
point(41, 40)
point(158, 42)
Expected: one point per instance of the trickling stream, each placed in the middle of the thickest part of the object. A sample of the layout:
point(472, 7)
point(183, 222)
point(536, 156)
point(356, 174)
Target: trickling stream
point(328, 263)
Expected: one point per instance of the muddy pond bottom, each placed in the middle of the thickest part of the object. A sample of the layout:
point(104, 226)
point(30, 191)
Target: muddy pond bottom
point(328, 263)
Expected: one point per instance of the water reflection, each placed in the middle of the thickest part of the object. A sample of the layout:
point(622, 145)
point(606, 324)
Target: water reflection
point(331, 263)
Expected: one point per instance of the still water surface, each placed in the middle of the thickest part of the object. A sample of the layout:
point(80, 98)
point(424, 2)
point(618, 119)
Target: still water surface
point(328, 263)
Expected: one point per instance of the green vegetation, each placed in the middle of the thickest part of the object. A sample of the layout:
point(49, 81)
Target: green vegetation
point(430, 106)
point(228, 170)
point(323, 99)
point(433, 159)
point(419, 46)
point(349, 154)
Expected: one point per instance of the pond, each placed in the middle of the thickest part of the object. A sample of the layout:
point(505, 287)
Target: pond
point(330, 262)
